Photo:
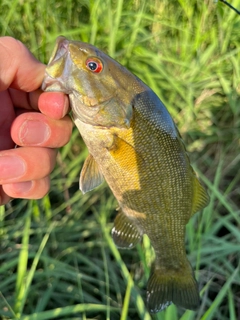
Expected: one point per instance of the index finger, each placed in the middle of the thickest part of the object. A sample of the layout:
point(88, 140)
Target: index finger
point(23, 73)
point(19, 69)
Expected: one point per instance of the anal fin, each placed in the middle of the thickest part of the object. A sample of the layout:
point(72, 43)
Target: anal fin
point(124, 233)
point(90, 176)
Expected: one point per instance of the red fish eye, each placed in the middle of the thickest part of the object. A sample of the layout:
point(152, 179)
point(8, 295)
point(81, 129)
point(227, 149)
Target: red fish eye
point(95, 65)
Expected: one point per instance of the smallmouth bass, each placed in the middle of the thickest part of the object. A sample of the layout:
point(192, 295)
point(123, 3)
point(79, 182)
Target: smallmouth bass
point(135, 146)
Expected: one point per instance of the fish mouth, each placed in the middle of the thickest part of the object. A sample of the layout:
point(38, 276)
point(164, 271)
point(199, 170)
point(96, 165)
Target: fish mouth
point(57, 70)
point(53, 84)
point(60, 49)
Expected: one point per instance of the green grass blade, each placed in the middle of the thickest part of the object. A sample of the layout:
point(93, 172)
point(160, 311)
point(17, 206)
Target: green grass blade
point(223, 292)
point(70, 310)
point(142, 311)
point(22, 264)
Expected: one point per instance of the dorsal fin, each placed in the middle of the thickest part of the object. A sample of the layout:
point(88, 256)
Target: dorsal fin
point(90, 176)
point(200, 196)
point(124, 233)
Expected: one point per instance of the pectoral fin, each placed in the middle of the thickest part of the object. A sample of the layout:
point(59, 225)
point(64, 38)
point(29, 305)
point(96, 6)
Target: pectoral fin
point(90, 176)
point(200, 196)
point(124, 233)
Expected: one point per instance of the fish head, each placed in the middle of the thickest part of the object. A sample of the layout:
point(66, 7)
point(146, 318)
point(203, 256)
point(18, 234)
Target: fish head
point(101, 91)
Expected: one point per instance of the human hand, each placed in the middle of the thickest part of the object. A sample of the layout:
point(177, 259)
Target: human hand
point(24, 171)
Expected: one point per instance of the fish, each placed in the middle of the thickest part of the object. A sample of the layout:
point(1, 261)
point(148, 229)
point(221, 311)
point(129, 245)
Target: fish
point(135, 146)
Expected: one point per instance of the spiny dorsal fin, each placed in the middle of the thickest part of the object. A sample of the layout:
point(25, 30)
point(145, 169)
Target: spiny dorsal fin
point(200, 196)
point(124, 233)
point(90, 176)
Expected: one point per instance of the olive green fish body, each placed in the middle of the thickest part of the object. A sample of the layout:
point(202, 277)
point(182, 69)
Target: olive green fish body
point(134, 145)
point(156, 201)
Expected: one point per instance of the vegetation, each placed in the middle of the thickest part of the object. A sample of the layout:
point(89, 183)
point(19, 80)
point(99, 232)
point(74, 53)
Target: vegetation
point(57, 259)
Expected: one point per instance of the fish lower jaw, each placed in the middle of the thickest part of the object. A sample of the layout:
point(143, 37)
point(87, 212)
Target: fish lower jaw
point(53, 84)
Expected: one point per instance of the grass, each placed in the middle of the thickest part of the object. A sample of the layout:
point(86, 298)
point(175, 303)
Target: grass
point(57, 259)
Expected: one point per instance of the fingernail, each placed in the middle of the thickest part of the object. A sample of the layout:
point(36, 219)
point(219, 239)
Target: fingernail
point(22, 187)
point(33, 132)
point(11, 167)
point(65, 106)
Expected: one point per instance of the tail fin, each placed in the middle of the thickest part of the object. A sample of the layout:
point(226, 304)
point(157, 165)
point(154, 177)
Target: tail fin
point(171, 286)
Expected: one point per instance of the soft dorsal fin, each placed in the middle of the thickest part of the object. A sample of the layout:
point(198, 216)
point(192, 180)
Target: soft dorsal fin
point(124, 233)
point(200, 196)
point(90, 176)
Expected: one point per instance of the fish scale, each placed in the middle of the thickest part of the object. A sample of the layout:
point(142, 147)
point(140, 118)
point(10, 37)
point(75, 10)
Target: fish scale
point(135, 146)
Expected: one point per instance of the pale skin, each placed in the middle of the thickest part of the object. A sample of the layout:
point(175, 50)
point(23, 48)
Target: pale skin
point(36, 122)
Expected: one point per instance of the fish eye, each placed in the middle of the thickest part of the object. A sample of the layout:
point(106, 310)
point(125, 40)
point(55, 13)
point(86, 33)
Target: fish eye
point(94, 64)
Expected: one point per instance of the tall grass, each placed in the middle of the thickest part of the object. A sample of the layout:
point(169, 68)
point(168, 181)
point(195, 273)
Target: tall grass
point(57, 259)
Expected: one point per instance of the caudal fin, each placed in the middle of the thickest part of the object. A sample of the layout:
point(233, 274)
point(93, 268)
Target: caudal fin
point(168, 287)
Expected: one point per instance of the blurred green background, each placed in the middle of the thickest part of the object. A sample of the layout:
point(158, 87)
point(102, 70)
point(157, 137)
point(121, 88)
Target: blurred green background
point(57, 259)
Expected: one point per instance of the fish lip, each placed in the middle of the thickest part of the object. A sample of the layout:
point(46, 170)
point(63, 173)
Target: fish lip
point(47, 82)
point(57, 84)
point(61, 48)
point(53, 84)
point(61, 40)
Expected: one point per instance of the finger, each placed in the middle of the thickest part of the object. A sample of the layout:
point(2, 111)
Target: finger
point(6, 118)
point(20, 71)
point(35, 189)
point(36, 129)
point(25, 164)
point(25, 100)
point(54, 104)
point(4, 198)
